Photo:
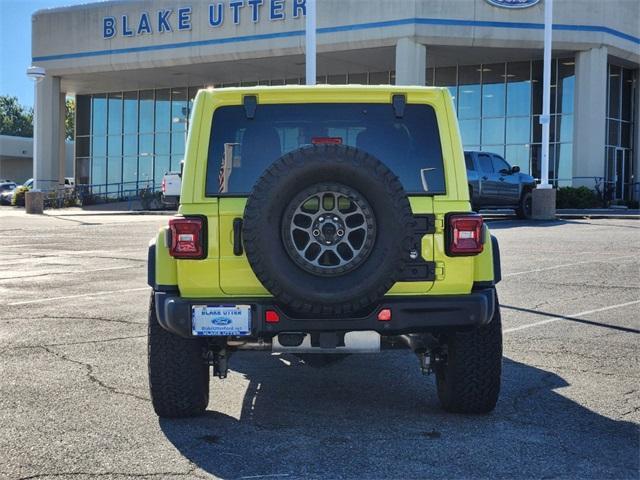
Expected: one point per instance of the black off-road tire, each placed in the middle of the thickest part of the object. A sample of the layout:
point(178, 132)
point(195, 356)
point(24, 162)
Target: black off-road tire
point(525, 208)
point(317, 165)
point(178, 376)
point(469, 380)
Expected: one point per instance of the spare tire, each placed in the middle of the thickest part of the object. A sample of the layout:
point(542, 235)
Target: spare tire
point(327, 229)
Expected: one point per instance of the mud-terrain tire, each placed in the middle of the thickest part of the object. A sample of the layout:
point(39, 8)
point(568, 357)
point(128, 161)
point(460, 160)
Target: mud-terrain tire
point(336, 166)
point(178, 376)
point(469, 380)
point(525, 207)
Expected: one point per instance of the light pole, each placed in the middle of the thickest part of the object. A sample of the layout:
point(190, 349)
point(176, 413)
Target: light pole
point(544, 196)
point(36, 74)
point(310, 42)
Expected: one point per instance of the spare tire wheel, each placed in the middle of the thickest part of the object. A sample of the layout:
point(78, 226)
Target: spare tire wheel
point(326, 229)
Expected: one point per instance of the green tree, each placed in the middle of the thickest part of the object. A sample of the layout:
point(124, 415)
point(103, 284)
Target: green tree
point(15, 119)
point(70, 118)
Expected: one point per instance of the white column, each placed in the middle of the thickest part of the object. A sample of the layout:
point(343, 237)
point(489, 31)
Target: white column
point(411, 62)
point(48, 151)
point(310, 42)
point(589, 118)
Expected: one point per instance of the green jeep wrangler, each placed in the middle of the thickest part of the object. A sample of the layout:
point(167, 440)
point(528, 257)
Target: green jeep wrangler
point(323, 221)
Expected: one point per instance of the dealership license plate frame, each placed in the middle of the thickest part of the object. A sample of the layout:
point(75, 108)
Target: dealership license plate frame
point(221, 320)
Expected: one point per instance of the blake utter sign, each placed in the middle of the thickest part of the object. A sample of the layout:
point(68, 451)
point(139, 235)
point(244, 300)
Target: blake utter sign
point(217, 14)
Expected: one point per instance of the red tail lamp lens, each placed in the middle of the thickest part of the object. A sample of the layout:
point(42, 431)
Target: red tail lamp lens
point(186, 238)
point(384, 315)
point(326, 140)
point(271, 316)
point(465, 233)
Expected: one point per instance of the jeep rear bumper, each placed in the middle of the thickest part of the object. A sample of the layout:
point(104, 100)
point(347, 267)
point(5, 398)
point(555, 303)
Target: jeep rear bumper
point(409, 315)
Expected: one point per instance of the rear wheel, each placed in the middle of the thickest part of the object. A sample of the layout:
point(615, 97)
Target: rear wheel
point(178, 375)
point(468, 380)
point(525, 209)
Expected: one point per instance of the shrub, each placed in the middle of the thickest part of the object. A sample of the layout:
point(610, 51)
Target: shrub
point(581, 197)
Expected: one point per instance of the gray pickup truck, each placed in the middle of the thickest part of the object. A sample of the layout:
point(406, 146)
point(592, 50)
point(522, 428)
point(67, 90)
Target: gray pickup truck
point(493, 183)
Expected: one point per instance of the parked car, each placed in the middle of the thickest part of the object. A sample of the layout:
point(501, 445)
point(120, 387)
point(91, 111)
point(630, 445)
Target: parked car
point(69, 183)
point(171, 185)
point(494, 184)
point(6, 191)
point(343, 239)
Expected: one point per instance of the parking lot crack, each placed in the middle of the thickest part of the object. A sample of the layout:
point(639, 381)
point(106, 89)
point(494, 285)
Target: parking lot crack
point(91, 375)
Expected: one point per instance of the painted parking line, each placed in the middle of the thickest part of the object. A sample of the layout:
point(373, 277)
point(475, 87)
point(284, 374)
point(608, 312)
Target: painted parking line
point(106, 269)
point(554, 267)
point(66, 297)
point(575, 315)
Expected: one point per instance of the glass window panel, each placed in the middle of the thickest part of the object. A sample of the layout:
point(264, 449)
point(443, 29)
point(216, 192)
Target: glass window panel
point(518, 155)
point(162, 144)
point(179, 109)
point(498, 163)
point(83, 115)
point(497, 149)
point(114, 173)
point(536, 160)
point(379, 78)
point(98, 170)
point(248, 84)
point(146, 111)
point(130, 112)
point(565, 164)
point(454, 97)
point(193, 91)
point(358, 78)
point(175, 162)
point(518, 129)
point(537, 86)
point(129, 173)
point(472, 148)
point(446, 77)
point(493, 90)
point(163, 110)
point(429, 76)
point(625, 134)
point(470, 132)
point(146, 144)
point(279, 82)
point(566, 84)
point(336, 79)
point(296, 81)
point(130, 145)
point(614, 129)
point(469, 91)
point(99, 146)
point(627, 94)
point(518, 88)
point(83, 171)
point(320, 80)
point(162, 166)
point(145, 170)
point(99, 114)
point(492, 131)
point(115, 114)
point(83, 146)
point(565, 127)
point(614, 92)
point(177, 143)
point(392, 77)
point(114, 145)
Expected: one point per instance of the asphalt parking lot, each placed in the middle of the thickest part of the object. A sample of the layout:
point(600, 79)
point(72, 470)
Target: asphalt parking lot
point(74, 401)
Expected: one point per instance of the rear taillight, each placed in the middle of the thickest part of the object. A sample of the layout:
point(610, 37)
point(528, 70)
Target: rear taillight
point(187, 238)
point(164, 185)
point(465, 235)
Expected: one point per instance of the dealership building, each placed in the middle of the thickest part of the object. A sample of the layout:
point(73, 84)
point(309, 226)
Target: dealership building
point(135, 67)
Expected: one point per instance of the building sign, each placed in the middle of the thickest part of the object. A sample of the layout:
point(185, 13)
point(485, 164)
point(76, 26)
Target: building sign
point(513, 3)
point(217, 14)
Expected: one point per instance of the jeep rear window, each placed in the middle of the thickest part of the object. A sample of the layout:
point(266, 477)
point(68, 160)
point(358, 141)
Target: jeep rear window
point(409, 146)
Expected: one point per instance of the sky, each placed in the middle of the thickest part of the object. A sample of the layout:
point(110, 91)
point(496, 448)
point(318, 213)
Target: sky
point(15, 45)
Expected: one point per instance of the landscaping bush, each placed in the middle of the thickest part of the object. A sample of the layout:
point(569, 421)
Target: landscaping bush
point(581, 197)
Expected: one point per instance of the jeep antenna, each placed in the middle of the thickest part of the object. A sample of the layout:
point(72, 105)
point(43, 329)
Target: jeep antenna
point(310, 41)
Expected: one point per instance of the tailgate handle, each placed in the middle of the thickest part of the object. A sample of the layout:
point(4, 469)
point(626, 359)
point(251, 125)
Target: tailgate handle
point(237, 237)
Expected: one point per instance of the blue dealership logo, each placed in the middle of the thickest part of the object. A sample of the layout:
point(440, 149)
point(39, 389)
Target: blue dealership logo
point(221, 321)
point(513, 3)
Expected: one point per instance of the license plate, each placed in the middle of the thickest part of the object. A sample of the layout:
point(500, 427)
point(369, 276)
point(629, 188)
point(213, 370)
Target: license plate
point(220, 320)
